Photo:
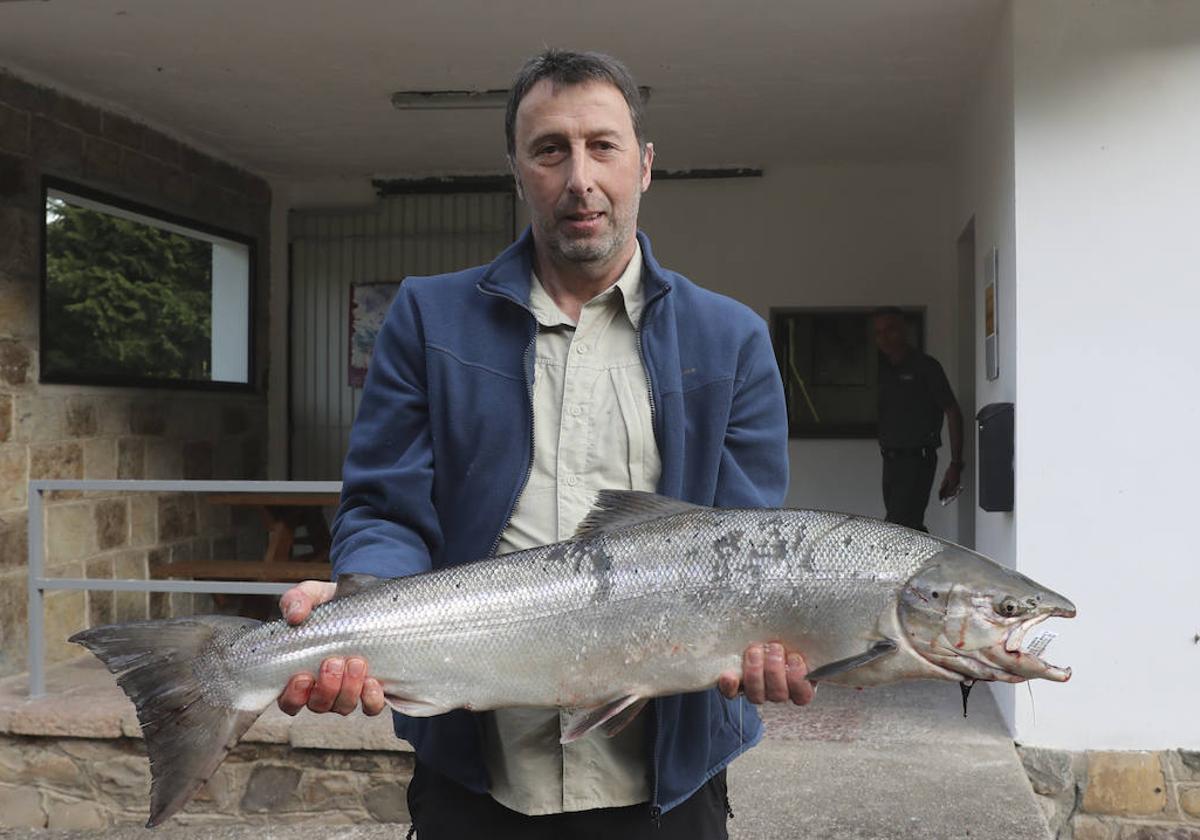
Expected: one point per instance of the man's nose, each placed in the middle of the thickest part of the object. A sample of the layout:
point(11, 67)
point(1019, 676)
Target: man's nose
point(579, 181)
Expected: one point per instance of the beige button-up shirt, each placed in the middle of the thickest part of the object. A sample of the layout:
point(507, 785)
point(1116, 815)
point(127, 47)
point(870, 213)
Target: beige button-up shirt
point(591, 430)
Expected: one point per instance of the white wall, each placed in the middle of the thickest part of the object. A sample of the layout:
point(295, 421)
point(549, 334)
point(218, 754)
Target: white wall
point(832, 235)
point(984, 190)
point(1107, 177)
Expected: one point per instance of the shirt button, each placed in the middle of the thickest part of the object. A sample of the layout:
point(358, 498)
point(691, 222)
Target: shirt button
point(576, 411)
point(581, 349)
point(572, 480)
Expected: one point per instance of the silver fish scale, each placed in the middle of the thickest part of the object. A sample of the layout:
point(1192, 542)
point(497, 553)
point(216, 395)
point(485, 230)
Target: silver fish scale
point(660, 607)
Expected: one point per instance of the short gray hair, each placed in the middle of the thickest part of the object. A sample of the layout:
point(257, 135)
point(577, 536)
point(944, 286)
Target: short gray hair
point(573, 68)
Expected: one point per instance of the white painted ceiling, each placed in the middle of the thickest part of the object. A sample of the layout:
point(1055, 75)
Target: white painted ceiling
point(300, 88)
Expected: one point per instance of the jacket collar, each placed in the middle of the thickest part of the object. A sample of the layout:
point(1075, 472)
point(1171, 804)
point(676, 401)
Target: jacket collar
point(510, 273)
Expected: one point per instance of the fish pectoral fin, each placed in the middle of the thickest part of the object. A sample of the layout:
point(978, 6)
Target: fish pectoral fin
point(616, 724)
point(580, 722)
point(413, 708)
point(352, 582)
point(876, 651)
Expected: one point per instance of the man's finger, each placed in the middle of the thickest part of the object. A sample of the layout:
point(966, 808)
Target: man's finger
point(329, 683)
point(775, 674)
point(297, 602)
point(352, 686)
point(799, 689)
point(729, 684)
point(752, 674)
point(294, 696)
point(373, 701)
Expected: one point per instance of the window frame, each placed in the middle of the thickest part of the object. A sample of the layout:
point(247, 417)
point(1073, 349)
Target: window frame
point(51, 183)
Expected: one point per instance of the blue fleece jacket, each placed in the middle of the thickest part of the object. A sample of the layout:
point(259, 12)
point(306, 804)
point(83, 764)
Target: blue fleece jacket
point(443, 442)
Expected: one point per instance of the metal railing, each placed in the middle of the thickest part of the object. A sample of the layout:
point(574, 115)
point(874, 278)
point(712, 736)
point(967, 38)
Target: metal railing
point(39, 584)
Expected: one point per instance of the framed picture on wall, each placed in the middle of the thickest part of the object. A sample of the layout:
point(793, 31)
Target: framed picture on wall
point(830, 366)
point(369, 304)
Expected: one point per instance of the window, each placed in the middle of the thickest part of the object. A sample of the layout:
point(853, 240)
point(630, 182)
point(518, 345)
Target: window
point(830, 369)
point(132, 296)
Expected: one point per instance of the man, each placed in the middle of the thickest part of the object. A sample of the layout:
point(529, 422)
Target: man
point(913, 396)
point(499, 400)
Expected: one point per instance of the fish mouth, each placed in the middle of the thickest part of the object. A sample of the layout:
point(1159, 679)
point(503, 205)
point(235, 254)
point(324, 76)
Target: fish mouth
point(1025, 661)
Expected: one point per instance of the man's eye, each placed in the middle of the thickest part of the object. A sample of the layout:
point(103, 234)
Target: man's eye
point(548, 149)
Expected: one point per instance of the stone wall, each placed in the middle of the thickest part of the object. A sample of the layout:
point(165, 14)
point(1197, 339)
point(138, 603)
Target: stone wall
point(65, 431)
point(87, 783)
point(1117, 795)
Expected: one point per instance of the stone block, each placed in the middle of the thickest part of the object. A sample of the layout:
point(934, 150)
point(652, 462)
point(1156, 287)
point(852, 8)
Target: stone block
point(1158, 831)
point(18, 182)
point(6, 417)
point(1185, 765)
point(18, 311)
point(1049, 770)
point(1124, 784)
point(143, 519)
point(40, 419)
point(100, 607)
point(164, 458)
point(56, 460)
point(73, 815)
point(198, 459)
point(142, 173)
point(69, 111)
point(19, 257)
point(224, 788)
point(54, 769)
point(114, 416)
point(81, 418)
point(323, 789)
point(100, 458)
point(176, 517)
point(160, 604)
point(130, 606)
point(167, 149)
point(57, 148)
point(125, 778)
point(65, 614)
point(1189, 801)
point(14, 130)
point(122, 130)
point(148, 417)
point(101, 160)
point(1092, 828)
point(112, 523)
point(14, 539)
point(131, 457)
point(70, 533)
point(387, 802)
point(12, 763)
point(271, 788)
point(14, 624)
point(21, 807)
point(16, 361)
point(14, 473)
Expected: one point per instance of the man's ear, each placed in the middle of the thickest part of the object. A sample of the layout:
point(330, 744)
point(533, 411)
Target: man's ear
point(512, 168)
point(647, 165)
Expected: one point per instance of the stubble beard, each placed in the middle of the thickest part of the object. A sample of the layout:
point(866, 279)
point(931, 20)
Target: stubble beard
point(595, 250)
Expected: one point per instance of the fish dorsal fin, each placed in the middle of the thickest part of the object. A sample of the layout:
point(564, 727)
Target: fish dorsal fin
point(350, 583)
point(617, 509)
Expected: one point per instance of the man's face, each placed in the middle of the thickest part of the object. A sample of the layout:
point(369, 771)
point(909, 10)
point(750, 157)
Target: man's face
point(891, 335)
point(579, 168)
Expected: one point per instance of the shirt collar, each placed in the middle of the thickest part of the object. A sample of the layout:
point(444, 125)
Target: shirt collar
point(628, 290)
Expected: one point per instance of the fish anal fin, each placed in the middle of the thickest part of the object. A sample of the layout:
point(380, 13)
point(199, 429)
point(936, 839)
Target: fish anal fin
point(832, 669)
point(616, 509)
point(580, 722)
point(350, 583)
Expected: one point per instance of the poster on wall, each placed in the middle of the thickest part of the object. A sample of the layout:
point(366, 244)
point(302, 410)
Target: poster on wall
point(991, 314)
point(369, 304)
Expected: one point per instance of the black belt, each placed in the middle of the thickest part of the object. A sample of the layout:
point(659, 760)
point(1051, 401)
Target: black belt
point(910, 452)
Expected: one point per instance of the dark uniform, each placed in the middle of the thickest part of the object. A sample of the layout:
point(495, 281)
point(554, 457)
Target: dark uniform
point(913, 398)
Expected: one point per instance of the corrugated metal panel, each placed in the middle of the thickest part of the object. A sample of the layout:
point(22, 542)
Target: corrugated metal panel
point(335, 249)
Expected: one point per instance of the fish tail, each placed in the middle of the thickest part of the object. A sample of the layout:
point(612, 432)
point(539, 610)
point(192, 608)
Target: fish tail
point(188, 731)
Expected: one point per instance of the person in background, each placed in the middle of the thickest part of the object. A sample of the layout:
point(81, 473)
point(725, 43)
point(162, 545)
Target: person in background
point(914, 395)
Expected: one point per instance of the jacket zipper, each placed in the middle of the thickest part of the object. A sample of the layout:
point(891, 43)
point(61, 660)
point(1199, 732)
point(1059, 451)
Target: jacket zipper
point(525, 360)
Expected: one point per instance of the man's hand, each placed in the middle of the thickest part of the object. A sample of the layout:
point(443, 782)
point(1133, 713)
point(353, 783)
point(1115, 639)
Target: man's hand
point(951, 481)
point(342, 683)
point(770, 673)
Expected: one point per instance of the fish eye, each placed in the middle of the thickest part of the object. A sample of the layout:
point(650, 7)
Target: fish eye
point(1011, 606)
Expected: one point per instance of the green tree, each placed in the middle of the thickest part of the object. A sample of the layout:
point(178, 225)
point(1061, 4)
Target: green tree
point(125, 298)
